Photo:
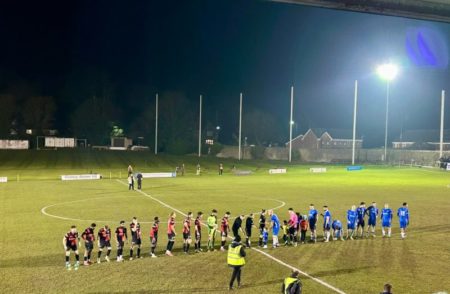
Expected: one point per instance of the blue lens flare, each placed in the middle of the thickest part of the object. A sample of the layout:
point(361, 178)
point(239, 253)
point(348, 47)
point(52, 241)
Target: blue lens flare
point(426, 47)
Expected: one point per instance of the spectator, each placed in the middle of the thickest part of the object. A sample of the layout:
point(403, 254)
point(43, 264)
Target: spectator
point(292, 284)
point(387, 289)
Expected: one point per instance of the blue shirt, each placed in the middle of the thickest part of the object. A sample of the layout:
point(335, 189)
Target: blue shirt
point(312, 215)
point(275, 220)
point(326, 215)
point(337, 225)
point(403, 214)
point(386, 215)
point(372, 211)
point(351, 216)
point(361, 211)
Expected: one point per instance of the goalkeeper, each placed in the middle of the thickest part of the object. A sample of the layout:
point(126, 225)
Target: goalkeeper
point(211, 222)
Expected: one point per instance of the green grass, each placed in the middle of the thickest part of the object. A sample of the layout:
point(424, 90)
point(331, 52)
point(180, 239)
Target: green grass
point(32, 258)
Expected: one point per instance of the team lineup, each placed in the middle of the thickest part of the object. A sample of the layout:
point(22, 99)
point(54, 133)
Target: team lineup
point(294, 231)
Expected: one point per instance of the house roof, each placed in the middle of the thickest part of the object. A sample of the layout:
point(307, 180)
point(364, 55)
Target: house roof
point(335, 133)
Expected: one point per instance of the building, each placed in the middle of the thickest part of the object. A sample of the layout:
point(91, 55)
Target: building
point(421, 140)
point(325, 139)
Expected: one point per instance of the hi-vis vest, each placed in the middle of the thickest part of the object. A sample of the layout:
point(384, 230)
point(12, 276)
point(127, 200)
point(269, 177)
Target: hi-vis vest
point(287, 282)
point(234, 256)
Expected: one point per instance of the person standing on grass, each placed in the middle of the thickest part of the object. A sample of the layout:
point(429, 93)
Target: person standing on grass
point(121, 238)
point(171, 233)
point(70, 243)
point(372, 212)
point(236, 260)
point(275, 226)
point(303, 229)
point(198, 232)
point(198, 169)
point(293, 222)
point(130, 182)
point(292, 284)
point(313, 215)
point(386, 220)
point(224, 228)
point(136, 238)
point(104, 241)
point(139, 181)
point(351, 222)
point(154, 236)
point(361, 213)
point(326, 223)
point(237, 226)
point(130, 170)
point(89, 238)
point(285, 230)
point(220, 169)
point(403, 217)
point(211, 222)
point(249, 224)
point(187, 233)
point(262, 225)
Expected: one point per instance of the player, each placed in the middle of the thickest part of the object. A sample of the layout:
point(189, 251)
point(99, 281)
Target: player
point(121, 238)
point(351, 222)
point(248, 229)
point(312, 218)
point(337, 230)
point(275, 226)
point(293, 223)
point(361, 212)
point(237, 225)
point(220, 169)
point(104, 241)
point(130, 182)
point(372, 212)
point(136, 238)
point(171, 233)
point(386, 220)
point(89, 238)
point(70, 243)
point(198, 232)
point(187, 233)
point(154, 236)
point(403, 217)
point(224, 228)
point(285, 230)
point(303, 228)
point(262, 225)
point(265, 237)
point(211, 222)
point(326, 223)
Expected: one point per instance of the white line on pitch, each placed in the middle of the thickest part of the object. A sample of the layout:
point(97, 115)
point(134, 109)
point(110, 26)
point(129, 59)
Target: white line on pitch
point(323, 283)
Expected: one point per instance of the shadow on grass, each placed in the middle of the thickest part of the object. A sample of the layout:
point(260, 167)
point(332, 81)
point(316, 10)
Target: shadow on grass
point(337, 272)
point(201, 290)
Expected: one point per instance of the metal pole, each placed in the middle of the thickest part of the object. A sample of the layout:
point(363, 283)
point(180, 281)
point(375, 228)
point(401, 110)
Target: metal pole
point(156, 126)
point(240, 124)
point(387, 121)
point(290, 124)
point(200, 129)
point(355, 108)
point(441, 145)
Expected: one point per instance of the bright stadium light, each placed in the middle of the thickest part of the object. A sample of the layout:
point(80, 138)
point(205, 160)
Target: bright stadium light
point(387, 71)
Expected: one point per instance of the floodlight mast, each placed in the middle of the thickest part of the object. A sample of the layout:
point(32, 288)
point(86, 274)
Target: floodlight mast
point(387, 72)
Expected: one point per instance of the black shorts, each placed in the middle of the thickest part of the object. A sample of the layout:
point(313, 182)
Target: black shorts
point(312, 225)
point(71, 247)
point(186, 236)
point(120, 244)
point(89, 245)
point(136, 241)
point(103, 244)
point(361, 223)
point(292, 231)
point(171, 237)
point(153, 241)
point(248, 232)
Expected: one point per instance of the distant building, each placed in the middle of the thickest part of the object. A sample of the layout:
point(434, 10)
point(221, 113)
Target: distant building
point(325, 139)
point(421, 140)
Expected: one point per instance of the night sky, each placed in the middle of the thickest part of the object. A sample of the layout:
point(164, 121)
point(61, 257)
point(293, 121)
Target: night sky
point(221, 48)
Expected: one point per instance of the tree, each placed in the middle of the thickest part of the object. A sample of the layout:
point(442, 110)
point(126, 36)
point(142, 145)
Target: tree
point(261, 127)
point(39, 112)
point(9, 110)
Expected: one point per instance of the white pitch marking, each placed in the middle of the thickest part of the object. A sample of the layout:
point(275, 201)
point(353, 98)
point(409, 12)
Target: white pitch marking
point(257, 250)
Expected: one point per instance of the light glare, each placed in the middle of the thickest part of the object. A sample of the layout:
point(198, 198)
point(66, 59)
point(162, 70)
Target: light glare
point(387, 71)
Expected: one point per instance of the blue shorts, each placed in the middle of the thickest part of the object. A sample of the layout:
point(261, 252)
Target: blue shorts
point(403, 224)
point(372, 222)
point(275, 231)
point(326, 227)
point(386, 224)
point(351, 226)
point(312, 225)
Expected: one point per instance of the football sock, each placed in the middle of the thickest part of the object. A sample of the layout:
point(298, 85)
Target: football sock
point(67, 258)
point(187, 247)
point(139, 252)
point(99, 254)
point(222, 243)
point(77, 257)
point(108, 252)
point(131, 252)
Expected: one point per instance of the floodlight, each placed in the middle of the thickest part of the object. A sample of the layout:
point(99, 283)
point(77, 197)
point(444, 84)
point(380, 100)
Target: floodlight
point(387, 71)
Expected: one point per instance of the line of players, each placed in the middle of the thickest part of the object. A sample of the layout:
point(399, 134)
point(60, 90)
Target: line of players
point(296, 226)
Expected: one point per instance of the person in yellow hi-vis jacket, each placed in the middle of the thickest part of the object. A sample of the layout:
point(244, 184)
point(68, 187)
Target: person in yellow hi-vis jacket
point(236, 260)
point(292, 284)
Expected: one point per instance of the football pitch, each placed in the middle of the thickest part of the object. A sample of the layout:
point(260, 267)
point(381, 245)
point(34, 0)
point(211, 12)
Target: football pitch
point(37, 209)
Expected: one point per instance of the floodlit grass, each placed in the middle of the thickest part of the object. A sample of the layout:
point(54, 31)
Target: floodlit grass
point(32, 257)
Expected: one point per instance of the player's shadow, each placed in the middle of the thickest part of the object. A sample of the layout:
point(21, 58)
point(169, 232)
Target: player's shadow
point(337, 272)
point(201, 290)
point(36, 261)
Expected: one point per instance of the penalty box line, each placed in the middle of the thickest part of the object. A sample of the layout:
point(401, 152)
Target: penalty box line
point(323, 283)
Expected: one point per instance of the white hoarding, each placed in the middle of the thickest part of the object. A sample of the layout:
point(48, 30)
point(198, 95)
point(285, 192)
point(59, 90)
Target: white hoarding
point(277, 171)
point(318, 169)
point(81, 177)
point(3, 179)
point(159, 175)
point(448, 166)
point(14, 144)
